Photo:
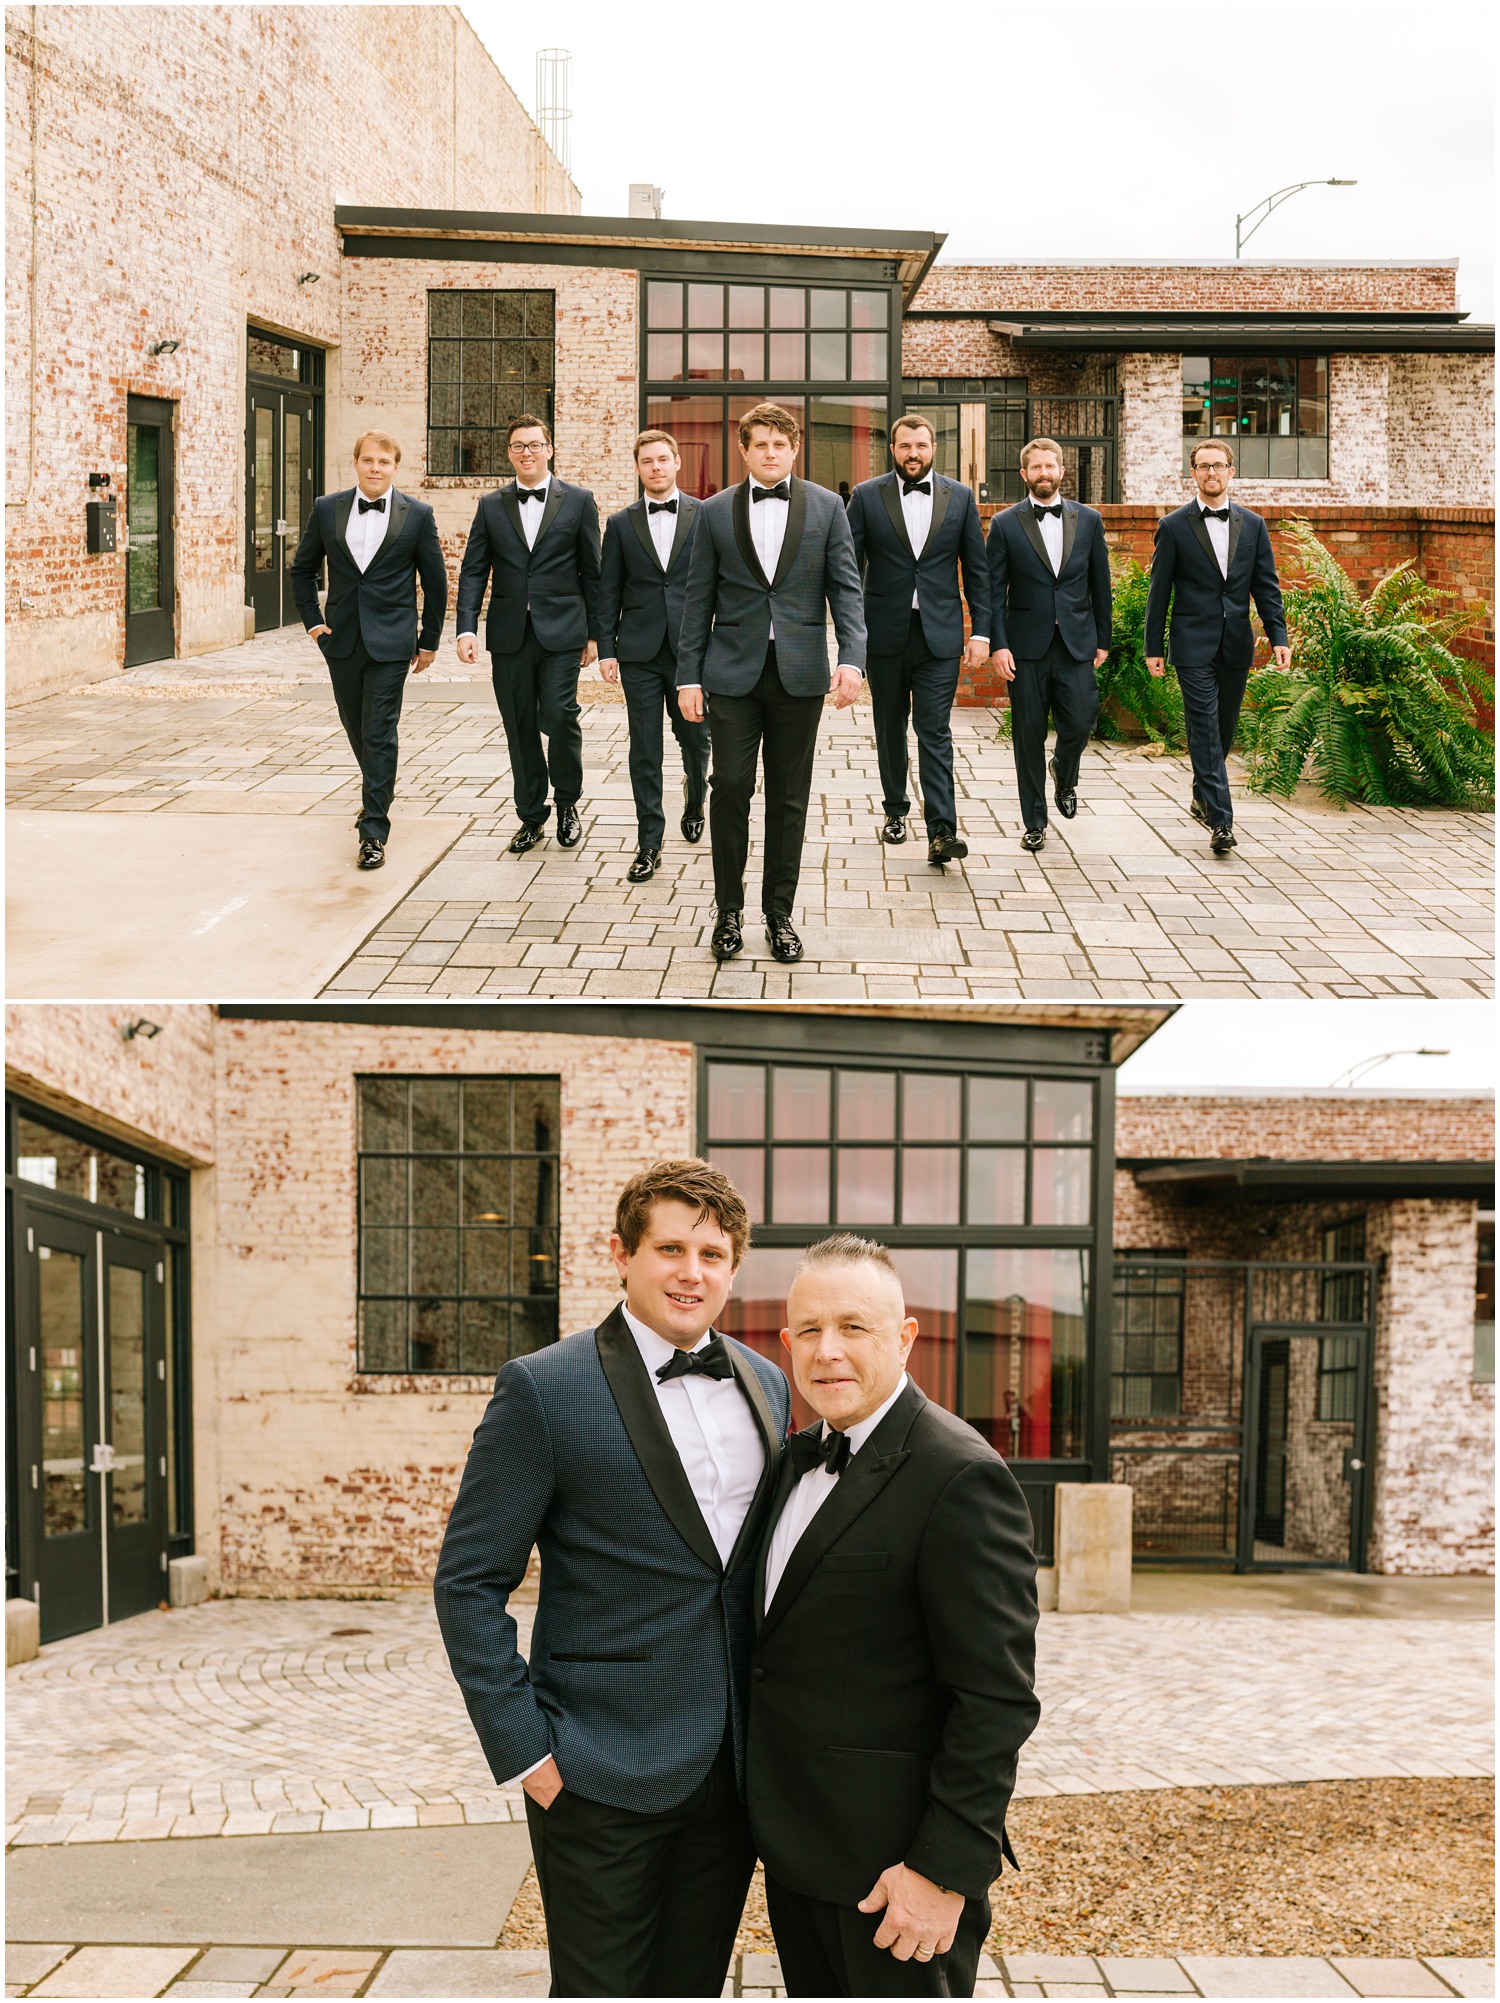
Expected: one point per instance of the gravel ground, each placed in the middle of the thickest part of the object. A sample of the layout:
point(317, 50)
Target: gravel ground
point(1379, 1867)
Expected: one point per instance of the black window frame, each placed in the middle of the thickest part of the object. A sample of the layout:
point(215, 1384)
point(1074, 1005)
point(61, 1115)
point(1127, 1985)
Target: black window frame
point(478, 450)
point(1341, 1297)
point(1483, 1368)
point(1318, 463)
point(1132, 1270)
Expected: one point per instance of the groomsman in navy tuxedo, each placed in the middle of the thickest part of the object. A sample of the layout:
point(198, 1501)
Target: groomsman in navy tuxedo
point(538, 539)
point(1050, 611)
point(914, 530)
point(1212, 557)
point(642, 581)
point(377, 543)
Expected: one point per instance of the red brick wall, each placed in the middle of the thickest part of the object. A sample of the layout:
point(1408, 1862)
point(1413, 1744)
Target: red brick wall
point(1223, 287)
point(1341, 1127)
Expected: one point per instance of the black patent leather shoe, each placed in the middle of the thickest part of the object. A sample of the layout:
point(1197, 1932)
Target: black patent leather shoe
point(1065, 796)
point(569, 827)
point(893, 829)
point(526, 836)
point(1200, 813)
point(785, 944)
point(692, 819)
point(647, 863)
point(728, 938)
point(1033, 839)
point(372, 855)
point(1221, 841)
point(943, 845)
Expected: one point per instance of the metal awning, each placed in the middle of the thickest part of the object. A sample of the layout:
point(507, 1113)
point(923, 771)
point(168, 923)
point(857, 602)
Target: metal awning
point(1261, 1180)
point(1254, 333)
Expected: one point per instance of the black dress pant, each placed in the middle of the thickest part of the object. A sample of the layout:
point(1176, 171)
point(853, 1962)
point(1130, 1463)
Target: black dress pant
point(738, 727)
point(537, 695)
point(644, 1905)
point(1067, 689)
point(368, 694)
point(651, 692)
point(1211, 698)
point(918, 684)
point(829, 1950)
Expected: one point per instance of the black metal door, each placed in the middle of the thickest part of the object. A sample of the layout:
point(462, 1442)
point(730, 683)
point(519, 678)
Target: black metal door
point(150, 558)
point(1087, 429)
point(1306, 1455)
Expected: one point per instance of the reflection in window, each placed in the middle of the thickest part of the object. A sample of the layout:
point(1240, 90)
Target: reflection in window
point(73, 1167)
point(1274, 408)
point(1484, 1300)
point(1146, 1340)
point(1025, 1350)
point(490, 357)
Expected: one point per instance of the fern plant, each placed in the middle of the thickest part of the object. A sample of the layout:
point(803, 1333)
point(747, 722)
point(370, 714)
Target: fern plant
point(1155, 702)
point(1376, 703)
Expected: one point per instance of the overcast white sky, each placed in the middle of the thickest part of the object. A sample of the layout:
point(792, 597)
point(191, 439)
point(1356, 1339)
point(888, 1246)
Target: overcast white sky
point(1271, 1043)
point(1158, 122)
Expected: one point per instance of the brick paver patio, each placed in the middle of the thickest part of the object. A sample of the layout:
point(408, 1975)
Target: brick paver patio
point(1123, 903)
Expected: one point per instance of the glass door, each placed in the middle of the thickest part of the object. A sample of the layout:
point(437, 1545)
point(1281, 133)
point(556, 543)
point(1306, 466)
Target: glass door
point(280, 484)
point(134, 1444)
point(150, 587)
point(59, 1361)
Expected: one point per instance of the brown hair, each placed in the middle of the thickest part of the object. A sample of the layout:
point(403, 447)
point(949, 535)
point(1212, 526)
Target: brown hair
point(913, 421)
point(382, 439)
point(1041, 445)
point(1203, 445)
point(774, 418)
point(657, 438)
point(691, 1182)
point(526, 422)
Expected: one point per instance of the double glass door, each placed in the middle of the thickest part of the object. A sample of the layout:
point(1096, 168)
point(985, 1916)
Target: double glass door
point(281, 474)
point(150, 583)
point(91, 1418)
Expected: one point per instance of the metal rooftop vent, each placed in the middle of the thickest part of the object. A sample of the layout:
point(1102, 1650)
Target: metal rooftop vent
point(553, 73)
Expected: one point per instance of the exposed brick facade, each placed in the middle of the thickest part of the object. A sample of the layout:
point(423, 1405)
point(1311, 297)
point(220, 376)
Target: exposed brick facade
point(1191, 286)
point(171, 171)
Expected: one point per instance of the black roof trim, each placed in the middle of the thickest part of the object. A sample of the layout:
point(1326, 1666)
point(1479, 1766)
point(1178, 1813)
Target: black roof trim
point(1270, 1181)
point(1371, 333)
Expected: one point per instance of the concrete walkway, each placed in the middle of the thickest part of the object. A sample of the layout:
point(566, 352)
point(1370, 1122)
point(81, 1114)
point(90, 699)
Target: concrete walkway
point(1123, 903)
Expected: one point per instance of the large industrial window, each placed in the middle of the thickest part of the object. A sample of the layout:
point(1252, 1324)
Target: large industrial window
point(1343, 1298)
point(1274, 408)
point(457, 1221)
point(1146, 1341)
point(490, 357)
point(1484, 1301)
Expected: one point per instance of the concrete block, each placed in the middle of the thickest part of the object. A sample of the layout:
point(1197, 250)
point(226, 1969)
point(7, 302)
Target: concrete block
point(1093, 1547)
point(1046, 1589)
point(1465, 1975)
point(459, 1972)
point(27, 1962)
point(23, 1631)
point(188, 1581)
point(96, 1972)
point(1264, 1975)
point(1387, 1975)
point(1144, 1974)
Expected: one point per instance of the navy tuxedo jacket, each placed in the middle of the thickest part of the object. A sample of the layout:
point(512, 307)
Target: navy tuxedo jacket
point(642, 1638)
point(377, 606)
point(731, 604)
point(1028, 603)
point(893, 570)
point(640, 604)
point(1209, 610)
point(557, 580)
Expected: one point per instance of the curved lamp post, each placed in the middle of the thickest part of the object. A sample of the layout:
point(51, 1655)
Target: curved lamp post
point(1363, 1069)
point(1263, 208)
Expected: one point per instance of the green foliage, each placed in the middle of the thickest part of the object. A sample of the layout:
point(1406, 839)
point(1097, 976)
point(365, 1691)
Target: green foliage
point(1154, 702)
point(1375, 703)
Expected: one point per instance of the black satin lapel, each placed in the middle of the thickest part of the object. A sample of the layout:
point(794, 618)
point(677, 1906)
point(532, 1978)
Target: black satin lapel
point(343, 508)
point(631, 1389)
point(1199, 528)
point(1031, 529)
point(859, 1484)
point(796, 522)
point(550, 509)
point(686, 509)
point(642, 528)
point(742, 535)
point(1236, 522)
point(512, 509)
point(765, 1420)
point(395, 522)
point(890, 495)
point(786, 1479)
point(939, 506)
point(1070, 532)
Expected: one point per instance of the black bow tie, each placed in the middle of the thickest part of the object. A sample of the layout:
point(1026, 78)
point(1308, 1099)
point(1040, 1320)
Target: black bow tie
point(365, 506)
point(1216, 514)
point(915, 487)
point(710, 1361)
point(530, 493)
point(812, 1449)
point(1049, 511)
point(780, 492)
point(661, 507)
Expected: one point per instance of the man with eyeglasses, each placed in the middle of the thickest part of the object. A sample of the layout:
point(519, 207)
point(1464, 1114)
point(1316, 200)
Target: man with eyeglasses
point(1212, 557)
point(538, 540)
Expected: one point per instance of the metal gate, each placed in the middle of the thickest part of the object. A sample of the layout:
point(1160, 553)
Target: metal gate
point(1087, 429)
point(1241, 1409)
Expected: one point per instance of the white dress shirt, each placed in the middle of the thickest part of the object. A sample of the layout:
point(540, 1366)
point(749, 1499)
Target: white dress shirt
point(663, 527)
point(1052, 532)
point(531, 521)
point(812, 1491)
point(1218, 533)
point(917, 508)
point(365, 532)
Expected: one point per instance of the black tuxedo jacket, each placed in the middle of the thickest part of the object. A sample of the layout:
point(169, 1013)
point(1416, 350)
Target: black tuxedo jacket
point(893, 570)
point(1027, 603)
point(891, 1676)
point(378, 605)
point(557, 580)
point(640, 604)
point(1210, 610)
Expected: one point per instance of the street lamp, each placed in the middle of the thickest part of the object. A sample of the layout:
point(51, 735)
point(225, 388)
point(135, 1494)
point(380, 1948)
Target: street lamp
point(1366, 1065)
point(1243, 236)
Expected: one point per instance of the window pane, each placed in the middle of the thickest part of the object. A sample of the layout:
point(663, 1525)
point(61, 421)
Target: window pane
point(510, 315)
point(869, 309)
point(929, 1185)
point(1312, 396)
point(486, 1191)
point(746, 1169)
point(930, 1106)
point(747, 306)
point(1312, 459)
point(434, 1335)
point(848, 439)
point(1280, 378)
point(75, 1167)
point(434, 1115)
point(755, 1312)
point(800, 1104)
point(486, 1263)
point(705, 355)
point(478, 315)
point(799, 1186)
point(747, 357)
point(1060, 1185)
point(867, 1105)
point(997, 1109)
point(541, 313)
point(486, 1336)
point(787, 357)
point(538, 364)
point(829, 309)
point(533, 1262)
point(434, 1262)
point(737, 1102)
point(788, 307)
point(533, 1192)
point(869, 355)
point(486, 1115)
point(697, 423)
point(867, 1186)
point(444, 313)
point(1195, 396)
point(1254, 456)
point(929, 1279)
point(533, 1324)
point(664, 357)
point(434, 1192)
point(383, 1192)
point(383, 1261)
point(1283, 459)
point(829, 361)
point(663, 304)
point(538, 1107)
point(125, 1299)
point(705, 306)
point(997, 1186)
point(1062, 1110)
point(1025, 1358)
point(382, 1344)
point(65, 1501)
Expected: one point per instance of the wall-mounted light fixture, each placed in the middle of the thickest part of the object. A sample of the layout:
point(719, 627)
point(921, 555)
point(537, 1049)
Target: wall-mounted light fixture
point(98, 479)
point(309, 278)
point(129, 1031)
point(162, 347)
